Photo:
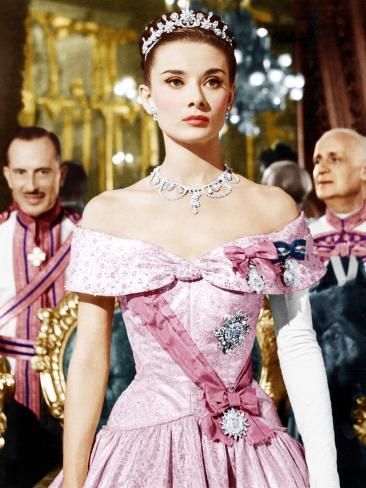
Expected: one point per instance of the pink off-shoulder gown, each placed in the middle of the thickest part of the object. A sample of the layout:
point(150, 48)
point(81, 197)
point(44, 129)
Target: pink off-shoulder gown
point(153, 438)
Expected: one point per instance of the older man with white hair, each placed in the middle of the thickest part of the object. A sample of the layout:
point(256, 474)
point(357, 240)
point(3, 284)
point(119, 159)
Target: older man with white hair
point(339, 300)
point(340, 179)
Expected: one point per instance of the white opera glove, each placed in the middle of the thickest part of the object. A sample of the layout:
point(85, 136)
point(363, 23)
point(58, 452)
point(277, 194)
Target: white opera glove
point(305, 378)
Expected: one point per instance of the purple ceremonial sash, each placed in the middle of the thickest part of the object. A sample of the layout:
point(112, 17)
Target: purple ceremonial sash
point(347, 244)
point(17, 348)
point(169, 332)
point(43, 280)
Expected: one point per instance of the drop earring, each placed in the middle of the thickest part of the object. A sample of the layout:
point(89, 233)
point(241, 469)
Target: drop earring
point(153, 112)
point(227, 114)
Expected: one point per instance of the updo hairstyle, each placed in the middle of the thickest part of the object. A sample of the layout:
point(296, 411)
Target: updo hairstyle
point(195, 34)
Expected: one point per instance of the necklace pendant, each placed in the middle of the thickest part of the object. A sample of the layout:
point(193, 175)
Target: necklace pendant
point(195, 202)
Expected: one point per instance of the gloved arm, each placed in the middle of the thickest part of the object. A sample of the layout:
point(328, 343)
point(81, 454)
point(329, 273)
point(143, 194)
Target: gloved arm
point(305, 378)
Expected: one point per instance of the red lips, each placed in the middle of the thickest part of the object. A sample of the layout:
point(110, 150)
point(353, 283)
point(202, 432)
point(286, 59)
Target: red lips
point(197, 117)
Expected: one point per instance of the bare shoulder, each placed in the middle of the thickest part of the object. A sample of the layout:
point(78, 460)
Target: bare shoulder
point(272, 206)
point(102, 212)
point(279, 208)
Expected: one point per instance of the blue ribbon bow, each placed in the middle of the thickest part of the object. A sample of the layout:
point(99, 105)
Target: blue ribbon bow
point(297, 250)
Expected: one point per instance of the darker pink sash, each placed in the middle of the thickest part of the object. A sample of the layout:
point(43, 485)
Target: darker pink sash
point(169, 332)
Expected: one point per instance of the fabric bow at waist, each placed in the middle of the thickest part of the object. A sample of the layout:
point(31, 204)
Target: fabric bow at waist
point(235, 405)
point(242, 398)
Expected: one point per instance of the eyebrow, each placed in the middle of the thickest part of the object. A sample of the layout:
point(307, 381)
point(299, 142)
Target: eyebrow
point(332, 153)
point(210, 71)
point(41, 168)
point(329, 154)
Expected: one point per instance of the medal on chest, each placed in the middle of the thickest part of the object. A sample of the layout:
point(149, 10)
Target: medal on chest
point(37, 256)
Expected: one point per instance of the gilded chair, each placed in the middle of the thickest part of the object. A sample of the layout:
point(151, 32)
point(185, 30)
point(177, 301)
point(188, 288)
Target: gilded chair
point(270, 378)
point(53, 351)
point(7, 388)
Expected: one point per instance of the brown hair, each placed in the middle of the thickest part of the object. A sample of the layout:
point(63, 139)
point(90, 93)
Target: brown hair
point(31, 133)
point(196, 34)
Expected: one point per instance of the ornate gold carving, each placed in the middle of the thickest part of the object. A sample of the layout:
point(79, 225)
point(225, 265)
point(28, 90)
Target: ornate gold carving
point(271, 377)
point(56, 329)
point(71, 111)
point(7, 387)
point(359, 414)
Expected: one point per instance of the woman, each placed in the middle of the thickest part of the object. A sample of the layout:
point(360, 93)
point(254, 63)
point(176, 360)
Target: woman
point(190, 275)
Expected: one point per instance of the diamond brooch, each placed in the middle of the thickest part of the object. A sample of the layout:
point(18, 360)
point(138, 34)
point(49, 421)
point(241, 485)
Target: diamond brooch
point(291, 272)
point(255, 280)
point(234, 423)
point(233, 331)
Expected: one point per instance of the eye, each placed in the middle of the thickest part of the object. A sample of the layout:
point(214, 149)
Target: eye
point(44, 171)
point(334, 158)
point(175, 82)
point(19, 171)
point(213, 82)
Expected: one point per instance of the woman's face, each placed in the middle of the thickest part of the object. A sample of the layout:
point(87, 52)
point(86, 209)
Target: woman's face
point(190, 89)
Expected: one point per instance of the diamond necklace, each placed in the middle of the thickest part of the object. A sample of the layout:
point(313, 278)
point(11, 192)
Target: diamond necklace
point(218, 188)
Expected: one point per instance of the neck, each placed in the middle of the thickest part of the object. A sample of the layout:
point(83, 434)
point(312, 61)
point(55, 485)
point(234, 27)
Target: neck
point(193, 164)
point(345, 204)
point(51, 215)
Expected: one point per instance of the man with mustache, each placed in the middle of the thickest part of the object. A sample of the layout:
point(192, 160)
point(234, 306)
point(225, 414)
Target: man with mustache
point(338, 301)
point(35, 235)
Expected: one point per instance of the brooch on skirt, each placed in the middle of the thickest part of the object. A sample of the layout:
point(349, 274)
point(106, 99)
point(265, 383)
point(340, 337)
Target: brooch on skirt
point(234, 423)
point(233, 331)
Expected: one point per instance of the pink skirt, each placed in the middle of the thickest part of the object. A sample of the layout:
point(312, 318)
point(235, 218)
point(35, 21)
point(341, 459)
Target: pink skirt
point(175, 455)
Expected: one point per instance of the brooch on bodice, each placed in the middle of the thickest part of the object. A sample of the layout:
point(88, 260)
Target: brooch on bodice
point(253, 263)
point(255, 280)
point(37, 256)
point(261, 263)
point(289, 255)
point(234, 423)
point(291, 273)
point(233, 331)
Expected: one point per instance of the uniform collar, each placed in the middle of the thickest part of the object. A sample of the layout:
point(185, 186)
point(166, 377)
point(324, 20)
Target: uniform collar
point(39, 226)
point(48, 218)
point(348, 223)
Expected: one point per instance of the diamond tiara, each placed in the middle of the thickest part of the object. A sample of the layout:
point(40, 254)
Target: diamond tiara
point(186, 19)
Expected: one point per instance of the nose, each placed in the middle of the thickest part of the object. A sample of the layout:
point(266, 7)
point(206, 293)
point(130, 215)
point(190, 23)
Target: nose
point(321, 167)
point(30, 184)
point(197, 98)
